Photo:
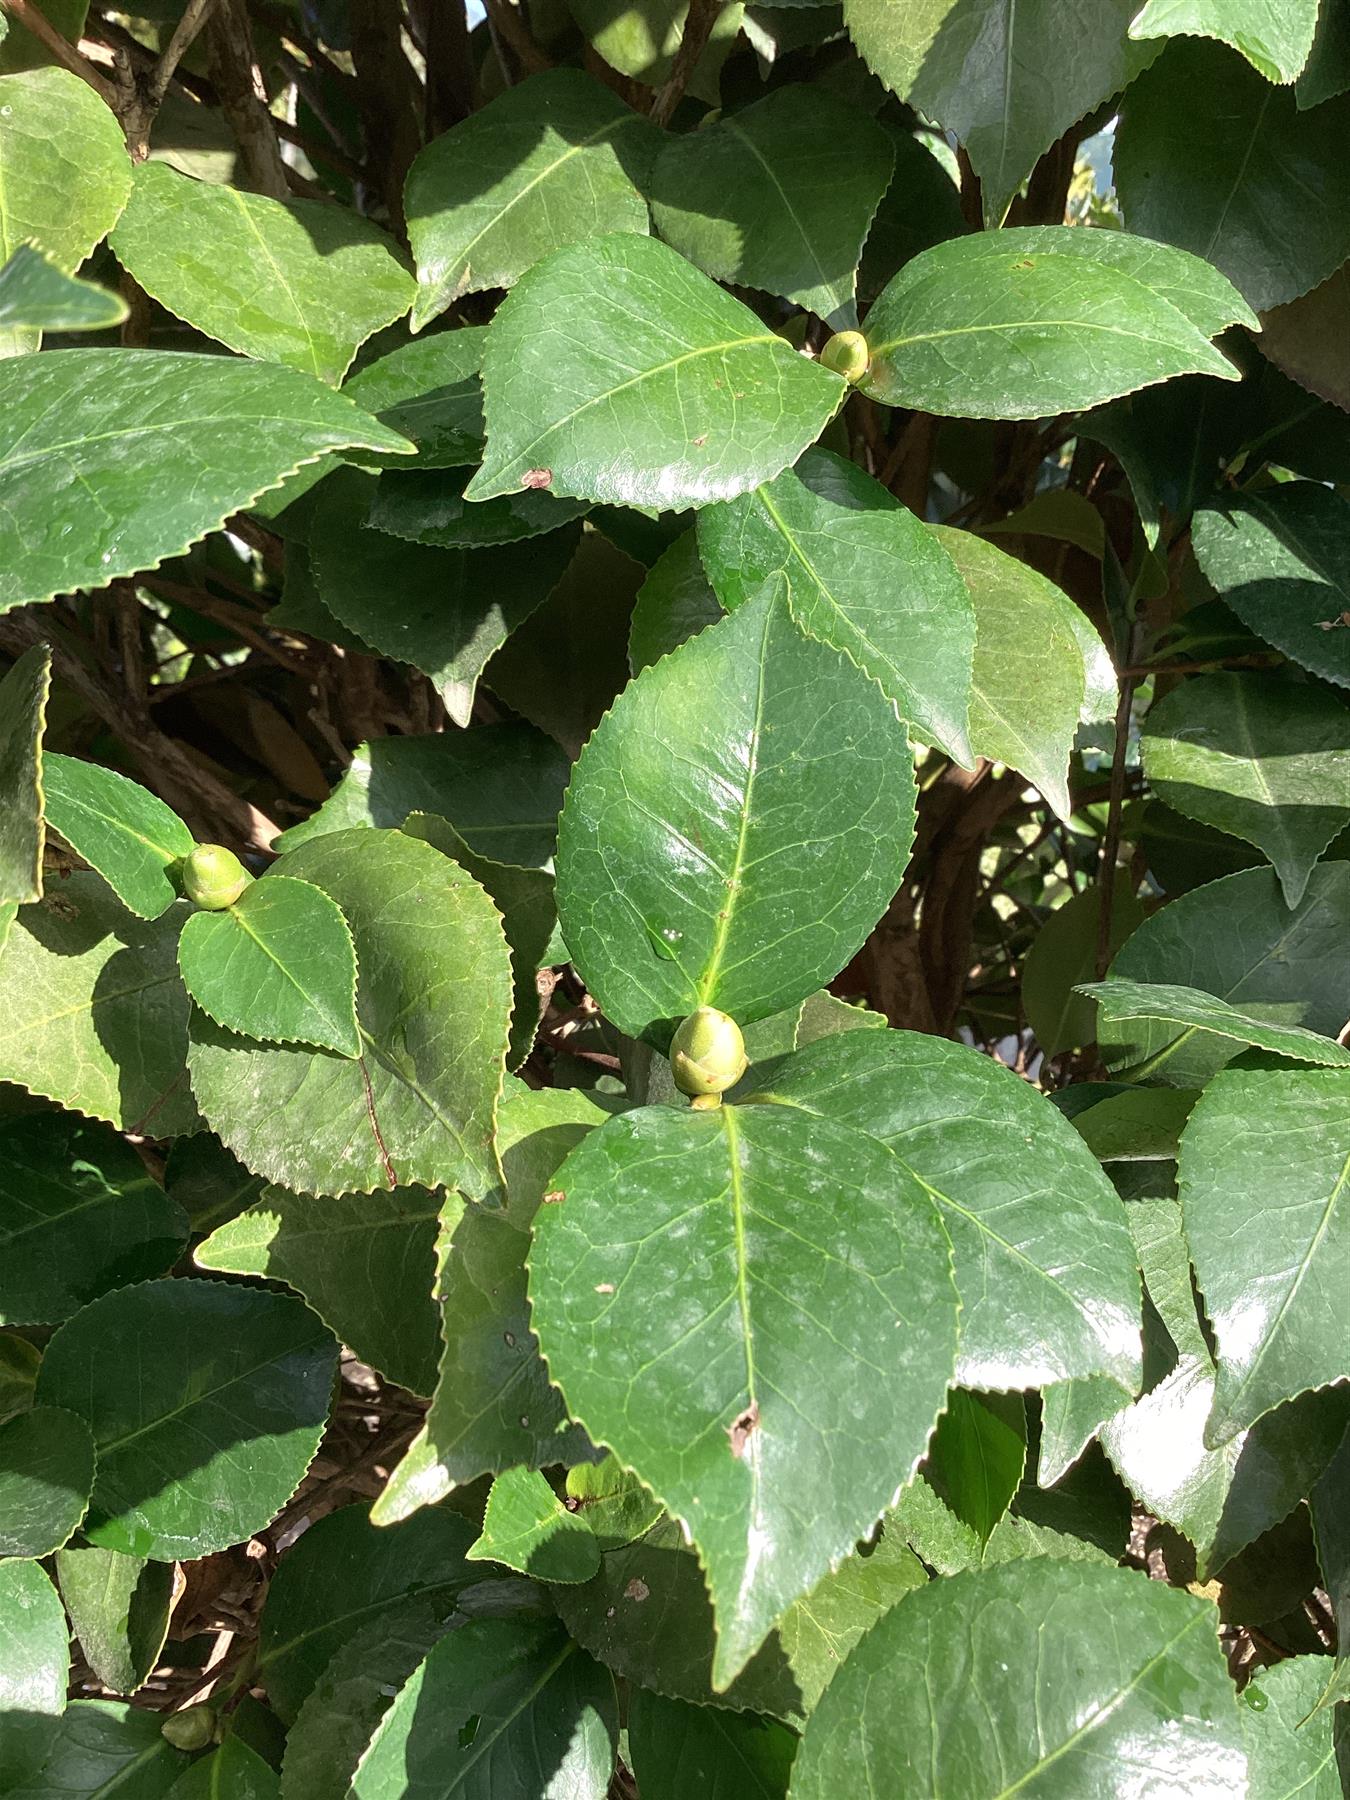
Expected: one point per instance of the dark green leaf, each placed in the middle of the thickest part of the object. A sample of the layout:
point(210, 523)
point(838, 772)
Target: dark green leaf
point(1125, 1004)
point(207, 1182)
point(120, 828)
point(428, 507)
point(34, 1664)
point(36, 296)
point(46, 1476)
point(1004, 1679)
point(1063, 955)
point(550, 162)
point(23, 714)
point(204, 1421)
point(1307, 339)
point(723, 843)
point(19, 1362)
point(679, 1750)
point(527, 1527)
point(231, 1772)
point(428, 391)
point(622, 340)
point(107, 1750)
point(674, 603)
point(119, 1610)
point(860, 573)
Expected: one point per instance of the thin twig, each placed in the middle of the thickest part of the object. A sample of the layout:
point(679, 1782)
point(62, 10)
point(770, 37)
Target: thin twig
point(25, 13)
point(698, 28)
point(1106, 873)
point(510, 29)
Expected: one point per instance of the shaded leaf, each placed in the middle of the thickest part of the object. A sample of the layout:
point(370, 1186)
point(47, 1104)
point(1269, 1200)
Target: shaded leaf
point(23, 714)
point(642, 37)
point(428, 391)
point(675, 602)
point(232, 1771)
point(1123, 1002)
point(107, 1748)
point(678, 1750)
point(1289, 1753)
point(207, 1182)
point(34, 1665)
point(527, 1527)
point(119, 1610)
point(1307, 338)
point(428, 507)
point(1064, 954)
point(46, 1476)
point(121, 829)
point(977, 1455)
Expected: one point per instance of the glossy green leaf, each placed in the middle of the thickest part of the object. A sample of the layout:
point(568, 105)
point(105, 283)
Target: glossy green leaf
point(977, 1455)
point(500, 786)
point(34, 1663)
point(860, 573)
point(611, 1502)
point(527, 1527)
point(443, 611)
point(1044, 1262)
point(297, 282)
point(65, 175)
point(675, 602)
point(499, 1704)
point(724, 843)
point(1275, 39)
point(342, 1575)
point(705, 1324)
point(679, 1750)
point(1263, 1180)
point(46, 1476)
point(92, 1013)
point(552, 161)
point(778, 196)
point(1004, 1679)
point(232, 1771)
point(18, 1373)
point(277, 965)
point(119, 1610)
point(113, 460)
point(1288, 1753)
point(1124, 1002)
point(1007, 79)
point(428, 507)
point(494, 1406)
point(365, 1263)
point(205, 1420)
point(36, 296)
point(433, 1004)
point(622, 340)
point(1046, 319)
point(1064, 954)
point(23, 714)
point(107, 1750)
point(429, 392)
point(1280, 559)
point(1134, 1124)
point(1236, 939)
point(1257, 187)
point(121, 829)
point(1264, 759)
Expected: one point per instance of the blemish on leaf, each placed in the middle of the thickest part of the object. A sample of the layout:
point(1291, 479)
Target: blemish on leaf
point(741, 1427)
point(699, 442)
point(604, 1287)
point(537, 478)
point(554, 1197)
point(636, 1590)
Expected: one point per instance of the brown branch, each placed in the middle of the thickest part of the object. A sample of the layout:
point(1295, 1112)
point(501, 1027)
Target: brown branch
point(508, 28)
point(1106, 872)
point(234, 73)
point(698, 27)
point(25, 13)
point(387, 99)
point(443, 32)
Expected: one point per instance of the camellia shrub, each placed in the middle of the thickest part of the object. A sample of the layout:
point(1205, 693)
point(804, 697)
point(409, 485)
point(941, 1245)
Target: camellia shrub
point(674, 900)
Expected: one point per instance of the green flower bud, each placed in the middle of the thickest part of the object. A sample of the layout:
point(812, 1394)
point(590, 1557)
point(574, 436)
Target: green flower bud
point(847, 354)
point(191, 1729)
point(707, 1055)
point(214, 877)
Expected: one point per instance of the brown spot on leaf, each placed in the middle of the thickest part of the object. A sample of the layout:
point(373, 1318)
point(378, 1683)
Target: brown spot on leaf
point(699, 442)
point(740, 1428)
point(636, 1590)
point(604, 1287)
point(536, 478)
point(554, 1197)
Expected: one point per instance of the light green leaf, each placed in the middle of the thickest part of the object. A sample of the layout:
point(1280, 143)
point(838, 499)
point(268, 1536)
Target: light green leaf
point(232, 1771)
point(554, 160)
point(1123, 1002)
point(34, 1663)
point(648, 1617)
point(113, 460)
point(64, 174)
point(494, 1406)
point(428, 507)
point(977, 1455)
point(119, 1610)
point(107, 1750)
point(23, 715)
point(611, 1502)
point(1275, 36)
point(120, 828)
point(499, 1704)
point(418, 1107)
point(679, 1750)
point(1063, 954)
point(1257, 187)
point(1025, 323)
point(500, 786)
point(365, 1263)
point(675, 602)
point(1280, 559)
point(46, 1476)
point(92, 1013)
point(1028, 680)
point(724, 843)
point(778, 196)
point(1262, 758)
point(1236, 939)
point(1044, 1263)
point(622, 341)
point(1289, 1754)
point(79, 1214)
point(36, 296)
point(860, 573)
point(695, 1305)
point(429, 392)
point(642, 37)
point(277, 965)
point(300, 282)
point(443, 611)
point(342, 1575)
point(1263, 1186)
point(527, 1527)
point(204, 1421)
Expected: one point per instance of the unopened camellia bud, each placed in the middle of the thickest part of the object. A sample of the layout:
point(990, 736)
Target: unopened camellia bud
point(847, 354)
point(214, 877)
point(707, 1055)
point(191, 1729)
